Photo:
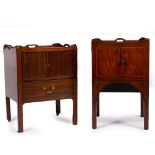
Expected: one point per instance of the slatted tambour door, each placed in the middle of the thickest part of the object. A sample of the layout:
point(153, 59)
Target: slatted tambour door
point(34, 66)
point(60, 64)
point(47, 65)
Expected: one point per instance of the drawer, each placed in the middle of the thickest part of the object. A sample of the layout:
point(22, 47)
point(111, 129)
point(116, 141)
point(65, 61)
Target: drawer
point(47, 90)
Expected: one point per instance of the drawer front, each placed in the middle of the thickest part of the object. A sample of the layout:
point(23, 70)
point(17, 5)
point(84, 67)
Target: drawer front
point(134, 62)
point(47, 65)
point(48, 90)
point(107, 62)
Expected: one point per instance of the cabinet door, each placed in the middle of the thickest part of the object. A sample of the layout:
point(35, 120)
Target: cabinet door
point(34, 66)
point(107, 62)
point(60, 64)
point(135, 62)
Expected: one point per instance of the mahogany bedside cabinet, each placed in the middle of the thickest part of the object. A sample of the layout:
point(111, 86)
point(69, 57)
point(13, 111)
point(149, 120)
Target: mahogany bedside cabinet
point(120, 66)
point(39, 73)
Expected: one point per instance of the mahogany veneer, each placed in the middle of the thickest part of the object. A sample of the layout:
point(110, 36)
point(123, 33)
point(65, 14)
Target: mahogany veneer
point(120, 66)
point(40, 73)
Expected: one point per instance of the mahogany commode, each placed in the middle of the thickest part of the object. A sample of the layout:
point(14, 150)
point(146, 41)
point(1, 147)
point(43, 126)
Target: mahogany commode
point(40, 73)
point(120, 66)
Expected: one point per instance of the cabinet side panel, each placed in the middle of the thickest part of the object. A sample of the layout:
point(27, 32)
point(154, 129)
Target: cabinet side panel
point(75, 60)
point(10, 71)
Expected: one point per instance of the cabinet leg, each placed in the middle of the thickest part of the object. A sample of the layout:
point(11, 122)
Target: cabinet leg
point(98, 105)
point(75, 111)
point(20, 117)
point(58, 107)
point(94, 111)
point(146, 113)
point(8, 109)
point(75, 104)
point(142, 104)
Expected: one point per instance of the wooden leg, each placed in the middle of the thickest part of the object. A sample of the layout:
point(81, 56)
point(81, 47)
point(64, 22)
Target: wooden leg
point(75, 111)
point(98, 105)
point(146, 112)
point(75, 104)
point(94, 111)
point(142, 102)
point(20, 117)
point(58, 107)
point(8, 109)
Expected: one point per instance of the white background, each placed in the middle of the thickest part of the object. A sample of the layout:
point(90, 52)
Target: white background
point(120, 129)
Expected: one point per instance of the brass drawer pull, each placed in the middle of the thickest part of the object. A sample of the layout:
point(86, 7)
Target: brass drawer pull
point(49, 90)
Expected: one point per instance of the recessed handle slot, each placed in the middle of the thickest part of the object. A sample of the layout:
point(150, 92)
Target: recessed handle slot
point(31, 45)
point(119, 39)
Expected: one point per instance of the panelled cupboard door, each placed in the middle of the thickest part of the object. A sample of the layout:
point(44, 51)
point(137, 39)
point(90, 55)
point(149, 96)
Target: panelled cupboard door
point(47, 65)
point(120, 60)
point(134, 62)
point(107, 61)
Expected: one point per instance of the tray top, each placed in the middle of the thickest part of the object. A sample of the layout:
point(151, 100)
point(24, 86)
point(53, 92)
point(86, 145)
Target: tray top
point(35, 47)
